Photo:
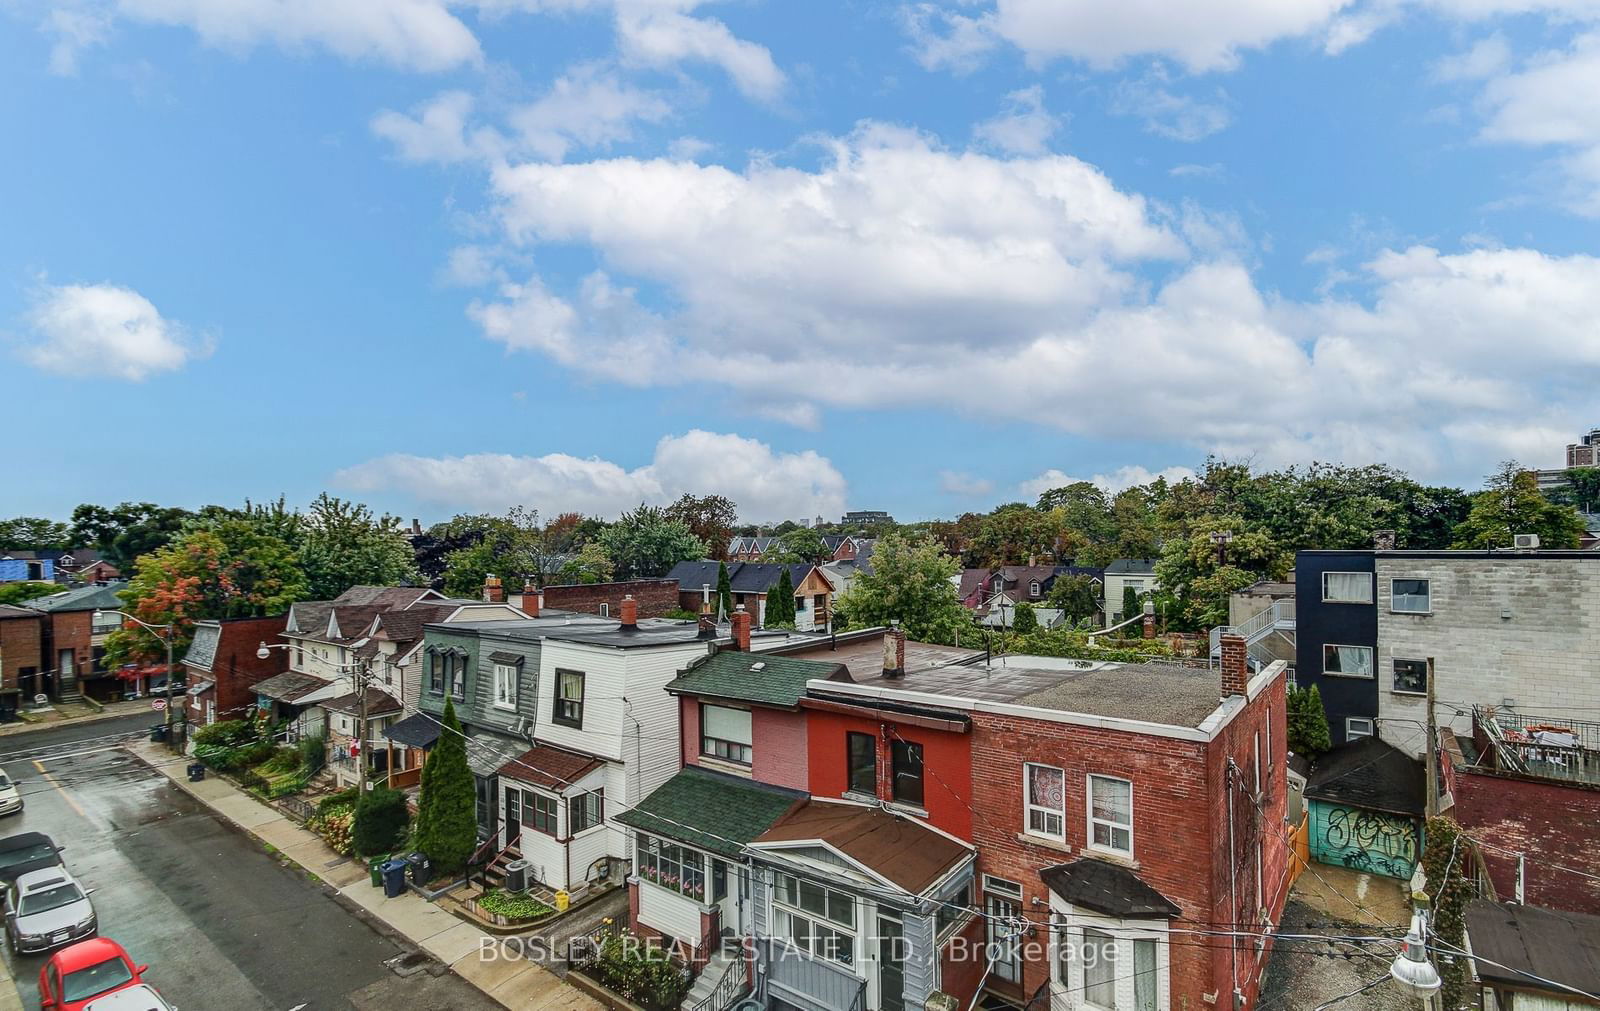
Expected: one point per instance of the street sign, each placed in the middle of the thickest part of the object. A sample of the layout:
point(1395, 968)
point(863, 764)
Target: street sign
point(158, 704)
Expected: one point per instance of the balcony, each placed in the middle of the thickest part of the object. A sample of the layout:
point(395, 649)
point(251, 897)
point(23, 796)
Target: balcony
point(1538, 746)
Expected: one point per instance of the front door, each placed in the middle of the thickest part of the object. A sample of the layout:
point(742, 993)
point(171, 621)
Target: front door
point(513, 818)
point(1004, 916)
point(891, 963)
point(723, 897)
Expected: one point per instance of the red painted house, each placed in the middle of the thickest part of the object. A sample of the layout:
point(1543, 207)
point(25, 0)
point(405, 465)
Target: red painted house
point(222, 668)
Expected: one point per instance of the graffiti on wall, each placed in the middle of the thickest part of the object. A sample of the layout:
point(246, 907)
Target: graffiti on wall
point(1371, 841)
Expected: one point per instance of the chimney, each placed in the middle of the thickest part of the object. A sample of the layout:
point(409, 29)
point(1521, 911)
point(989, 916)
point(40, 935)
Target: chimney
point(493, 592)
point(1383, 540)
point(1235, 665)
point(708, 621)
point(416, 527)
point(741, 628)
point(1149, 619)
point(629, 611)
point(522, 601)
point(894, 651)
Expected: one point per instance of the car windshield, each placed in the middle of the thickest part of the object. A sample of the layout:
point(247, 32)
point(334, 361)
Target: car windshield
point(97, 978)
point(48, 899)
point(5, 781)
point(23, 854)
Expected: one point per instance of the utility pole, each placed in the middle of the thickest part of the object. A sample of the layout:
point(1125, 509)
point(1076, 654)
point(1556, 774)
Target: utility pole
point(171, 742)
point(361, 730)
point(1433, 750)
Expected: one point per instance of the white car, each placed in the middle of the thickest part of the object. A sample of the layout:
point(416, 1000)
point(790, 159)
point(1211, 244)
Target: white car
point(46, 909)
point(10, 798)
point(134, 998)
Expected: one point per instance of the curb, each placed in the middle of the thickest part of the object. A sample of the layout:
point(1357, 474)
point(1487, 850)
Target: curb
point(28, 727)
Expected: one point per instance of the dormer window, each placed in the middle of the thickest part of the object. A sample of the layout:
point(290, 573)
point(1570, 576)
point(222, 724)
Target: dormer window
point(1033, 588)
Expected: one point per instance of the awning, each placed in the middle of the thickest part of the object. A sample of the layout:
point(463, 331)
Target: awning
point(485, 754)
point(416, 731)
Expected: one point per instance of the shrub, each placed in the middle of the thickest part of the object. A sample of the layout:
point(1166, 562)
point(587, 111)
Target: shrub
point(380, 824)
point(679, 614)
point(313, 755)
point(283, 760)
point(643, 973)
point(232, 745)
point(333, 824)
point(514, 907)
point(1308, 722)
point(344, 798)
point(447, 822)
point(1026, 621)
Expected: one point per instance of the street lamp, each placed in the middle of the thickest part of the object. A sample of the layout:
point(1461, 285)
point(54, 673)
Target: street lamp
point(1411, 968)
point(363, 671)
point(167, 638)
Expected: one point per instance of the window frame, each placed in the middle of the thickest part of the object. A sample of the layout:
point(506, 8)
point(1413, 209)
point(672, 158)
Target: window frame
point(506, 674)
point(1371, 652)
point(659, 857)
point(534, 814)
point(1029, 807)
point(436, 674)
point(727, 745)
point(785, 912)
point(1068, 969)
point(1427, 581)
point(1371, 591)
point(896, 748)
point(580, 802)
point(563, 709)
point(850, 770)
point(1091, 820)
point(1394, 677)
point(1351, 735)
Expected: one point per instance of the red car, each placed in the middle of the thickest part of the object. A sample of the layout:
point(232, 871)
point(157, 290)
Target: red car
point(77, 975)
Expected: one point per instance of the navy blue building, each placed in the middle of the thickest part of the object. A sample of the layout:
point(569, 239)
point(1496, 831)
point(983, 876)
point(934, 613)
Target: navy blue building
point(1336, 637)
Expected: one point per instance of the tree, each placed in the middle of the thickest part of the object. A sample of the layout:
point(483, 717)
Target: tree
point(1510, 504)
point(910, 583)
point(1026, 620)
point(1308, 722)
point(380, 821)
point(804, 545)
point(647, 543)
point(512, 547)
point(780, 602)
point(131, 529)
point(1014, 533)
point(345, 545)
point(1582, 490)
point(1075, 595)
point(724, 590)
point(447, 824)
point(32, 533)
point(590, 565)
point(710, 518)
point(16, 593)
point(1130, 602)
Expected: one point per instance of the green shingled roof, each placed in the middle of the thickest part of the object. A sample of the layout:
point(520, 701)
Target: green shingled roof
point(759, 678)
point(710, 810)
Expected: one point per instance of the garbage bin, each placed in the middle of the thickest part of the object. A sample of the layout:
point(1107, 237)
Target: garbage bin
point(517, 876)
point(421, 869)
point(375, 868)
point(158, 732)
point(197, 772)
point(394, 879)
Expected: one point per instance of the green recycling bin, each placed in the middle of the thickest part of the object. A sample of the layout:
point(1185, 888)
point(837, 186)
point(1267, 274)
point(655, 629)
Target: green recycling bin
point(375, 866)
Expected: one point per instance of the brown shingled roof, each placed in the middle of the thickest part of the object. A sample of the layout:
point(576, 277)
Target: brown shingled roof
point(549, 767)
point(895, 847)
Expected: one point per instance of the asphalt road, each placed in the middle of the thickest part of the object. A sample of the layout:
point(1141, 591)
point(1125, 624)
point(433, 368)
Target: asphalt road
point(222, 924)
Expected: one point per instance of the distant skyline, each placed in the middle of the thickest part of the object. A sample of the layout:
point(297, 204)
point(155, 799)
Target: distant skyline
point(927, 257)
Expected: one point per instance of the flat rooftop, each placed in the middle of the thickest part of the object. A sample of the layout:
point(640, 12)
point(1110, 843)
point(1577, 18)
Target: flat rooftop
point(1165, 693)
point(583, 627)
point(862, 653)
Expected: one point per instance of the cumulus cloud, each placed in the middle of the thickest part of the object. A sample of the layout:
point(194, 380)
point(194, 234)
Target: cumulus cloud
point(103, 330)
point(765, 484)
point(1554, 100)
point(1024, 125)
point(1167, 113)
point(588, 107)
point(1118, 480)
point(942, 39)
point(435, 131)
point(655, 37)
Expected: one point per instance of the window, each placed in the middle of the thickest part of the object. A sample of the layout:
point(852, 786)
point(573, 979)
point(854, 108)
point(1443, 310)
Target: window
point(569, 698)
point(299, 657)
point(541, 811)
point(862, 751)
point(102, 622)
point(505, 686)
point(1347, 661)
point(1045, 800)
point(1357, 726)
point(458, 677)
point(1099, 968)
point(1410, 596)
point(1411, 677)
point(816, 919)
point(1033, 588)
point(1145, 981)
point(1002, 910)
point(954, 907)
point(669, 865)
point(1347, 587)
point(1111, 814)
point(605, 610)
point(906, 763)
point(1258, 763)
point(435, 674)
point(725, 733)
point(585, 811)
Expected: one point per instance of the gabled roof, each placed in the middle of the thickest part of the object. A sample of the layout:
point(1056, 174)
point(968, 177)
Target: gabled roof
point(743, 577)
point(84, 598)
point(379, 703)
point(710, 810)
point(1108, 888)
point(1371, 774)
point(550, 767)
point(1531, 941)
point(203, 650)
point(386, 597)
point(758, 678)
point(289, 686)
point(896, 848)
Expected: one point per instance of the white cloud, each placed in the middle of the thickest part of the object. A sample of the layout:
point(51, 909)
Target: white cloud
point(1118, 480)
point(438, 130)
point(658, 37)
point(104, 330)
point(1485, 58)
point(1212, 170)
point(75, 29)
point(1024, 125)
point(587, 107)
point(1165, 113)
point(954, 482)
point(941, 39)
point(764, 484)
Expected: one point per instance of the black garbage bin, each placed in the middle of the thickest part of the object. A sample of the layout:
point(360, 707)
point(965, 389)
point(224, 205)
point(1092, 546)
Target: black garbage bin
point(158, 732)
point(197, 772)
point(421, 869)
point(394, 879)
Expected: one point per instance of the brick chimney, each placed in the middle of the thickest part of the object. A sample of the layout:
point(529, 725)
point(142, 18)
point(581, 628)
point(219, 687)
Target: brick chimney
point(629, 612)
point(1235, 665)
point(894, 651)
point(493, 592)
point(741, 629)
point(1149, 619)
point(532, 601)
point(1383, 540)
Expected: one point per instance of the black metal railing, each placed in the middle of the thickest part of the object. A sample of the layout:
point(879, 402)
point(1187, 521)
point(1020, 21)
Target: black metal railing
point(585, 949)
point(860, 1000)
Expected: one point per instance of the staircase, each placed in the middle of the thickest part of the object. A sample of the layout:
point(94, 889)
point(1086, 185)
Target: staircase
point(495, 873)
point(1256, 630)
point(719, 985)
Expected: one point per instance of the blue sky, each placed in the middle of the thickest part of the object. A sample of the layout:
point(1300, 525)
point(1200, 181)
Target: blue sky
point(925, 257)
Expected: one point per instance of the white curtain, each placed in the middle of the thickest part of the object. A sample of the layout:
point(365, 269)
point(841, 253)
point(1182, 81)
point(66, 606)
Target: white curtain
point(1348, 586)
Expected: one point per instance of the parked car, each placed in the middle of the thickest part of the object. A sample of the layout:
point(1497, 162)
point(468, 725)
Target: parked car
point(45, 909)
point(81, 977)
point(26, 851)
point(139, 997)
point(10, 798)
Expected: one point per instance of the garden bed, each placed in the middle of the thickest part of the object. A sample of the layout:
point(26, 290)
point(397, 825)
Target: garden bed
point(505, 909)
point(629, 974)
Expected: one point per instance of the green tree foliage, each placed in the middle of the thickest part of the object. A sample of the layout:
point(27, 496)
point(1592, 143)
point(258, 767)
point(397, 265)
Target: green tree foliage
point(590, 565)
point(513, 547)
point(31, 533)
point(1582, 491)
point(1075, 595)
point(447, 825)
point(708, 517)
point(780, 602)
point(1130, 603)
point(381, 819)
point(125, 532)
point(16, 593)
point(1510, 504)
point(344, 544)
point(1026, 620)
point(1014, 533)
point(804, 545)
point(910, 583)
point(647, 543)
point(724, 590)
point(1308, 722)
point(1446, 861)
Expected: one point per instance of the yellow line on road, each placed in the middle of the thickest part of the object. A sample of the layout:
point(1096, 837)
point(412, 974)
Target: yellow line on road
point(59, 789)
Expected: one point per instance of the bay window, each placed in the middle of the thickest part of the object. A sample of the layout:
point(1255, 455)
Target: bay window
point(1106, 965)
point(679, 868)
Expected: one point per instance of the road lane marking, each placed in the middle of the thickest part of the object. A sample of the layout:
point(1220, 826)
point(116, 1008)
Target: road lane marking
point(79, 754)
point(59, 789)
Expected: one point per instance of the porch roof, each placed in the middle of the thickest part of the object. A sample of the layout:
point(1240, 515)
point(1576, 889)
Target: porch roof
point(290, 686)
point(415, 731)
point(1107, 888)
point(379, 703)
point(898, 849)
point(550, 767)
point(710, 810)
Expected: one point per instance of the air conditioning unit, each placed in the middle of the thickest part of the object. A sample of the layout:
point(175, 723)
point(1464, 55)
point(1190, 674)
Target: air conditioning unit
point(1525, 542)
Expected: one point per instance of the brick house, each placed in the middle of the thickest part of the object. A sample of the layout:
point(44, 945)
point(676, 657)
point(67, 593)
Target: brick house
point(653, 597)
point(74, 634)
point(222, 669)
point(21, 646)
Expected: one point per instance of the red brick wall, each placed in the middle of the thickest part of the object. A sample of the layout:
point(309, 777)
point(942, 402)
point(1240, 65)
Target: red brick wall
point(946, 757)
point(237, 668)
point(20, 641)
point(962, 962)
point(655, 597)
point(779, 749)
point(71, 630)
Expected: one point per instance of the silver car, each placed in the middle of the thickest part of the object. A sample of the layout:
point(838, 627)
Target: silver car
point(46, 909)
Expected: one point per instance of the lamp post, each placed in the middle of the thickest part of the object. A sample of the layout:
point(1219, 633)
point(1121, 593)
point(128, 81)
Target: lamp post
point(1411, 968)
point(169, 628)
point(362, 671)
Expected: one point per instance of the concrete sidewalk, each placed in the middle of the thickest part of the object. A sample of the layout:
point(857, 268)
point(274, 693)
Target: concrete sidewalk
point(514, 982)
point(73, 714)
point(10, 999)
